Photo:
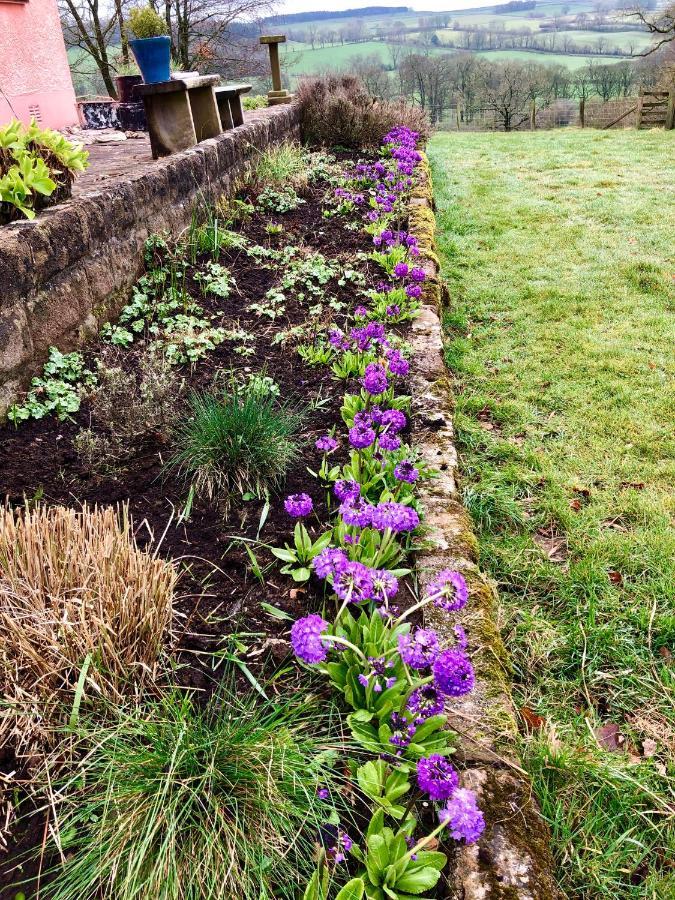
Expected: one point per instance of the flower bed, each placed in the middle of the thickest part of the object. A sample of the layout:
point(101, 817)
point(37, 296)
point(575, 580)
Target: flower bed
point(252, 321)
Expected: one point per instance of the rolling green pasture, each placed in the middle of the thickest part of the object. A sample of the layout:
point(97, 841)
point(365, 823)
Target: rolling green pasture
point(559, 256)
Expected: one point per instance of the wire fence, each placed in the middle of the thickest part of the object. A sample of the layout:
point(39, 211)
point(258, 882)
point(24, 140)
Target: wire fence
point(620, 113)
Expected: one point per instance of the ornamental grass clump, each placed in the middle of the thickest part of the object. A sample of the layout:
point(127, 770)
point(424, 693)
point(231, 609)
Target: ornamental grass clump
point(177, 801)
point(285, 165)
point(241, 442)
point(76, 596)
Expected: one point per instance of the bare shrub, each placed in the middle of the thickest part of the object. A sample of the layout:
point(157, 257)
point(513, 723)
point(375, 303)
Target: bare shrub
point(76, 594)
point(337, 109)
point(127, 407)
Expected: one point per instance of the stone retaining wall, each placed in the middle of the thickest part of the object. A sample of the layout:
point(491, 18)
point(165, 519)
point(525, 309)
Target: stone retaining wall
point(69, 270)
point(512, 860)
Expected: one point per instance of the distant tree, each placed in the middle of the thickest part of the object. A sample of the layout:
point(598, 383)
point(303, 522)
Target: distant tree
point(426, 80)
point(87, 28)
point(506, 92)
point(660, 24)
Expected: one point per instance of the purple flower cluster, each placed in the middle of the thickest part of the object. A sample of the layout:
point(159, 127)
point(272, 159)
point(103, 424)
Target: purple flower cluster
point(419, 649)
point(453, 673)
point(298, 505)
point(436, 777)
point(449, 591)
point(306, 639)
point(463, 817)
point(418, 674)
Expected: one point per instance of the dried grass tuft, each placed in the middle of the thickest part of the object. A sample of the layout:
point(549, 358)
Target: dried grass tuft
point(75, 592)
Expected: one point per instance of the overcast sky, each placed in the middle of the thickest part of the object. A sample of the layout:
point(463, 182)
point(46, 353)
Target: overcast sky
point(295, 6)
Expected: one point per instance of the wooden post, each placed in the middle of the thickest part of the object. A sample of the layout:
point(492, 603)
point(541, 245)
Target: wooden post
point(582, 112)
point(458, 114)
point(533, 115)
point(670, 112)
point(639, 108)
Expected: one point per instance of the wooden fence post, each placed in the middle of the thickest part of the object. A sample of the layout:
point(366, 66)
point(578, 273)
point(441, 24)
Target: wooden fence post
point(582, 112)
point(533, 115)
point(670, 112)
point(639, 108)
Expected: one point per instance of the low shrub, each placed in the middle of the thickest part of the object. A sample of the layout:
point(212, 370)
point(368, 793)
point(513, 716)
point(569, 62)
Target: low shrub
point(241, 442)
point(256, 101)
point(338, 110)
point(37, 169)
point(127, 407)
point(178, 802)
point(76, 595)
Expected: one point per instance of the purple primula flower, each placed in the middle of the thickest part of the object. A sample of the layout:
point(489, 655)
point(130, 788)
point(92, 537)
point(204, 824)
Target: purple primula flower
point(406, 471)
point(326, 444)
point(419, 649)
point(453, 673)
point(360, 311)
point(413, 291)
point(463, 817)
point(424, 703)
point(363, 419)
point(398, 365)
point(393, 310)
point(362, 680)
point(356, 512)
point(436, 777)
point(329, 561)
point(354, 583)
point(361, 437)
point(298, 505)
point(389, 441)
point(396, 517)
point(417, 274)
point(401, 270)
point(410, 843)
point(403, 731)
point(344, 490)
point(375, 379)
point(385, 585)
point(449, 591)
point(306, 639)
point(323, 793)
point(393, 420)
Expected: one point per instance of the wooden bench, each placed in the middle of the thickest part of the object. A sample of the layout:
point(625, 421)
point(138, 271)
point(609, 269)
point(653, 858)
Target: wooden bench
point(228, 98)
point(180, 112)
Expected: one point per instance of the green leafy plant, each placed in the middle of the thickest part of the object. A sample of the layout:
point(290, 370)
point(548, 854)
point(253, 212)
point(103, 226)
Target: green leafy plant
point(179, 801)
point(392, 870)
point(256, 101)
point(146, 22)
point(300, 555)
point(240, 442)
point(279, 201)
point(58, 390)
point(37, 168)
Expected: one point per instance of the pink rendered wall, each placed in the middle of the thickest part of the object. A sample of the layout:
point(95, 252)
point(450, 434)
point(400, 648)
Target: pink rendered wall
point(34, 69)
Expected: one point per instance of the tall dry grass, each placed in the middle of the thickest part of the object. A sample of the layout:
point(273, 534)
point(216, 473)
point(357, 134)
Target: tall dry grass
point(76, 594)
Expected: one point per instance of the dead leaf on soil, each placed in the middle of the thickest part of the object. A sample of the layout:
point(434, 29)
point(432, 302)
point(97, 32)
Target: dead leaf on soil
point(294, 593)
point(635, 485)
point(553, 545)
point(615, 577)
point(609, 737)
point(575, 505)
point(532, 720)
point(649, 748)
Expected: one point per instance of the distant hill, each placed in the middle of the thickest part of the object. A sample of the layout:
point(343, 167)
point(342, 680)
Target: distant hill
point(319, 15)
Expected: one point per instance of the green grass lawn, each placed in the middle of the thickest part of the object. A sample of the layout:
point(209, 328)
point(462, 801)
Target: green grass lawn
point(559, 252)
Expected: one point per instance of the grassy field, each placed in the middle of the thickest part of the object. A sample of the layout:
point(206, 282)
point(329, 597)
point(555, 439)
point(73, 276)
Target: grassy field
point(559, 255)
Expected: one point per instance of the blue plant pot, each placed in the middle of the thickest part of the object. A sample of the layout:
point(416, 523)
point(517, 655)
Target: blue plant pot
point(153, 56)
